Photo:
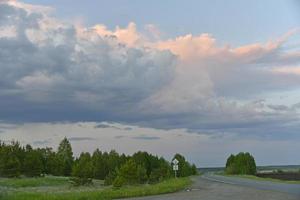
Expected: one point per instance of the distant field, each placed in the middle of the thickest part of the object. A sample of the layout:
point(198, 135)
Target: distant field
point(59, 188)
point(286, 168)
point(289, 176)
point(263, 179)
point(259, 168)
point(291, 173)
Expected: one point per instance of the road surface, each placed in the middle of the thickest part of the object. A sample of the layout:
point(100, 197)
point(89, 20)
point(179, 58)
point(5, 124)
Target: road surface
point(214, 187)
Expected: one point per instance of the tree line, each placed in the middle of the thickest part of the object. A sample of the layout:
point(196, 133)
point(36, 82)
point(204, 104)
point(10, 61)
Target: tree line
point(114, 168)
point(242, 163)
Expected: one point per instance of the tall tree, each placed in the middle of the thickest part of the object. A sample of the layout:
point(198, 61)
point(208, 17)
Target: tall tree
point(100, 165)
point(65, 156)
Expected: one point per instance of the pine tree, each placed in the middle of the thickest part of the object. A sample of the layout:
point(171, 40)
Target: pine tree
point(65, 156)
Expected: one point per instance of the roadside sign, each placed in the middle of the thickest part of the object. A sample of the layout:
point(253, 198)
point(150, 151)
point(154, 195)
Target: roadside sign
point(175, 167)
point(175, 163)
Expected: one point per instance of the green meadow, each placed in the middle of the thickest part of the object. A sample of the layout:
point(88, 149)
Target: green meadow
point(59, 188)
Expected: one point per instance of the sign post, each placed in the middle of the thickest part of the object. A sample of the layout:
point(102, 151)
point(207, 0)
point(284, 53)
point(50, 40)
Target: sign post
point(175, 166)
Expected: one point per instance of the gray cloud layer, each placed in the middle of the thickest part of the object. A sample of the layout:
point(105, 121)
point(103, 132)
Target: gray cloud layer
point(56, 71)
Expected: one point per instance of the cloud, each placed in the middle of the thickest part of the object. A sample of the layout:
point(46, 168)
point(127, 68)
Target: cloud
point(41, 142)
point(53, 70)
point(108, 125)
point(288, 70)
point(105, 126)
point(192, 145)
point(145, 137)
point(61, 67)
point(75, 139)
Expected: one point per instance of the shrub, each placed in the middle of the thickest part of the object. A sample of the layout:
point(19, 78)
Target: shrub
point(119, 182)
point(130, 174)
point(279, 171)
point(159, 174)
point(109, 179)
point(76, 181)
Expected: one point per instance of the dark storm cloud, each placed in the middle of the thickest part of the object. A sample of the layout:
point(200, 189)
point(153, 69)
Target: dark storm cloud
point(53, 71)
point(57, 72)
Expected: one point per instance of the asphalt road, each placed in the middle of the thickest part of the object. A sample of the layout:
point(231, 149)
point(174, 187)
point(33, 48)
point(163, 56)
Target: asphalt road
point(214, 187)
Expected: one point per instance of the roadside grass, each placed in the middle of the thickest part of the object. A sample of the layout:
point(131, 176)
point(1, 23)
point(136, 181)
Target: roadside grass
point(33, 182)
point(167, 186)
point(252, 177)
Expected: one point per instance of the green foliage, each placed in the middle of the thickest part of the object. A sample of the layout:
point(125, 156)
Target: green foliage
point(130, 174)
point(65, 156)
point(100, 165)
point(82, 170)
point(76, 181)
point(119, 182)
point(184, 167)
point(194, 169)
point(109, 179)
point(112, 167)
point(33, 165)
point(83, 167)
point(10, 159)
point(160, 173)
point(168, 186)
point(54, 164)
point(10, 167)
point(33, 182)
point(242, 163)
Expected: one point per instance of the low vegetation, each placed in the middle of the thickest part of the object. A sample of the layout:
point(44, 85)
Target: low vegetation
point(96, 193)
point(33, 182)
point(242, 163)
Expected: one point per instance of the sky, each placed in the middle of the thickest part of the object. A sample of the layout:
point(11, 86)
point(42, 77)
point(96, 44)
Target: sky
point(202, 78)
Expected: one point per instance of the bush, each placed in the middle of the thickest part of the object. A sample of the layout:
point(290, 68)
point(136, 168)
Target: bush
point(279, 171)
point(130, 174)
point(242, 163)
point(76, 181)
point(119, 182)
point(109, 179)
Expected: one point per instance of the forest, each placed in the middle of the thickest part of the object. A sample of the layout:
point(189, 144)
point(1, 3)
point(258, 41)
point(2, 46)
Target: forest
point(116, 169)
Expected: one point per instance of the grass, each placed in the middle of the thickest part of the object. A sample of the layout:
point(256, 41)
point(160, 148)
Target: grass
point(252, 177)
point(168, 186)
point(33, 182)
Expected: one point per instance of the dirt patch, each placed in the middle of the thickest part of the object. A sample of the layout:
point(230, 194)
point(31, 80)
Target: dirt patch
point(289, 176)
